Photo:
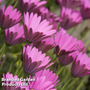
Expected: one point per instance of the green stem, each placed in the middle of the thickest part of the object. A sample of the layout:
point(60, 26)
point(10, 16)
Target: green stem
point(11, 2)
point(59, 70)
point(10, 68)
point(55, 59)
point(20, 71)
point(2, 51)
point(66, 83)
point(15, 4)
point(2, 63)
point(75, 80)
point(2, 48)
point(17, 71)
point(80, 85)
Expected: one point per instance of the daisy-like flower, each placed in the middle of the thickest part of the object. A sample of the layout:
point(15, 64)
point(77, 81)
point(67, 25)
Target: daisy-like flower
point(81, 65)
point(69, 3)
point(45, 44)
point(31, 5)
point(66, 46)
point(13, 82)
point(34, 60)
point(36, 30)
point(46, 14)
point(85, 9)
point(70, 18)
point(9, 17)
point(44, 80)
point(68, 58)
point(14, 35)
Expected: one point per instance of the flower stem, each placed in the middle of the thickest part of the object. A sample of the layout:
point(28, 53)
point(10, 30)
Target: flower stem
point(66, 83)
point(80, 85)
point(15, 4)
point(2, 63)
point(59, 70)
point(18, 69)
point(2, 51)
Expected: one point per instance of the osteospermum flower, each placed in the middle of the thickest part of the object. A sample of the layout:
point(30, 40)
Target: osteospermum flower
point(70, 18)
point(34, 60)
point(85, 9)
point(68, 58)
point(81, 65)
point(14, 35)
point(13, 82)
point(36, 30)
point(45, 44)
point(66, 46)
point(9, 17)
point(31, 5)
point(69, 3)
point(44, 80)
point(46, 14)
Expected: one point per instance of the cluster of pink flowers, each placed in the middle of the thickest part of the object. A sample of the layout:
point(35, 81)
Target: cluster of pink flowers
point(38, 30)
point(43, 80)
point(70, 16)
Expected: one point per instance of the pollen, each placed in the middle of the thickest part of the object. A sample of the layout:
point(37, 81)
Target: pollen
point(59, 52)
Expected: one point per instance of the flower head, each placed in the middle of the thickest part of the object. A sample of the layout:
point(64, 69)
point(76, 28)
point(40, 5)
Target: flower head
point(9, 17)
point(34, 60)
point(13, 83)
point(69, 18)
point(31, 5)
point(45, 45)
point(66, 46)
point(46, 14)
point(36, 30)
point(69, 3)
point(81, 65)
point(67, 58)
point(15, 34)
point(44, 80)
point(85, 9)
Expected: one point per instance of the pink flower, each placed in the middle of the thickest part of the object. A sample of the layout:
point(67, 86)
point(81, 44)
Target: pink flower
point(69, 3)
point(44, 80)
point(81, 65)
point(66, 47)
point(85, 9)
point(0, 2)
point(9, 17)
point(45, 44)
point(67, 58)
point(14, 35)
point(36, 30)
point(34, 60)
point(46, 14)
point(69, 18)
point(31, 5)
point(13, 83)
